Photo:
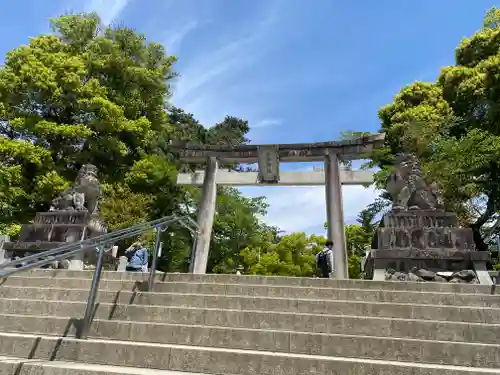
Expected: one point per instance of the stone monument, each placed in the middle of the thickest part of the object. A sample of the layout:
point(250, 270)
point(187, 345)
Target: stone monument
point(417, 240)
point(73, 216)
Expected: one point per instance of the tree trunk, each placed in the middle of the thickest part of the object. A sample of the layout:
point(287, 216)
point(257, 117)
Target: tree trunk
point(476, 227)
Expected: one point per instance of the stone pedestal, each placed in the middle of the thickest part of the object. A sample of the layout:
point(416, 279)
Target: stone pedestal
point(429, 240)
point(54, 229)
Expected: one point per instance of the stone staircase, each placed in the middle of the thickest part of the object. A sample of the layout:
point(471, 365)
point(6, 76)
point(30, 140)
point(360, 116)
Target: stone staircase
point(247, 325)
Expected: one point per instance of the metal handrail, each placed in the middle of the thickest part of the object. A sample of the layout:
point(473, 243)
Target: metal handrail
point(99, 243)
point(155, 259)
point(95, 240)
point(73, 250)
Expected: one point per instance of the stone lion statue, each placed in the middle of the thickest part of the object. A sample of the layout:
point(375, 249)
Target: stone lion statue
point(408, 188)
point(83, 195)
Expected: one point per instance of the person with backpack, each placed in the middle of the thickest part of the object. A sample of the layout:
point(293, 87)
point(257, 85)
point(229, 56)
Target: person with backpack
point(324, 260)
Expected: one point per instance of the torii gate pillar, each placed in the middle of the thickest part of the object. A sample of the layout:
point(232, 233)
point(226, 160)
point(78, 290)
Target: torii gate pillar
point(335, 216)
point(206, 213)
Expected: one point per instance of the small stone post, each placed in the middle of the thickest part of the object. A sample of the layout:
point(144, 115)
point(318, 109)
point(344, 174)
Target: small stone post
point(122, 263)
point(76, 262)
point(3, 258)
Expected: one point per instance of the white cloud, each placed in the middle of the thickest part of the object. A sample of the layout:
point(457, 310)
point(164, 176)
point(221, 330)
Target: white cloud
point(209, 67)
point(175, 36)
point(303, 208)
point(108, 10)
point(209, 78)
point(266, 123)
point(201, 78)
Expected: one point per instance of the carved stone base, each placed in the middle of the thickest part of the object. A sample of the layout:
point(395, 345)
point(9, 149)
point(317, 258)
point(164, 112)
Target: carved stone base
point(405, 260)
point(427, 240)
point(440, 239)
point(430, 254)
point(54, 229)
point(34, 247)
point(434, 260)
point(420, 219)
point(423, 275)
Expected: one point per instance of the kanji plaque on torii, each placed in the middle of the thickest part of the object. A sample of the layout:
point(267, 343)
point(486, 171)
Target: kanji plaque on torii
point(269, 164)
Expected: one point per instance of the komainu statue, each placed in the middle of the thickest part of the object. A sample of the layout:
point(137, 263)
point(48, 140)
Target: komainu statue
point(408, 189)
point(83, 195)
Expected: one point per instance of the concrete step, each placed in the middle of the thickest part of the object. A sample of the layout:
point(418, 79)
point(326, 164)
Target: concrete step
point(22, 366)
point(417, 297)
point(272, 280)
point(349, 346)
point(312, 306)
point(317, 323)
point(213, 360)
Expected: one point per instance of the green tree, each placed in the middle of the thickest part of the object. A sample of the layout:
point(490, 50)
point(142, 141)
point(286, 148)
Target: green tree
point(293, 255)
point(93, 94)
point(357, 239)
point(122, 207)
point(185, 127)
point(236, 226)
point(82, 95)
point(492, 18)
point(453, 126)
point(230, 132)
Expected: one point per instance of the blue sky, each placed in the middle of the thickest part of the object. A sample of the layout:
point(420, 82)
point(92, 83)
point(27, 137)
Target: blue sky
point(297, 70)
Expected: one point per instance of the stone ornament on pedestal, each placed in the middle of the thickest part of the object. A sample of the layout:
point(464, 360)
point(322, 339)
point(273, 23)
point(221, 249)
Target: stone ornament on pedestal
point(418, 240)
point(83, 195)
point(73, 216)
point(408, 188)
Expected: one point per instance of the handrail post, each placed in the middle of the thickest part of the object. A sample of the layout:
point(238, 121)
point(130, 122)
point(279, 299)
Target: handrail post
point(94, 289)
point(192, 254)
point(152, 273)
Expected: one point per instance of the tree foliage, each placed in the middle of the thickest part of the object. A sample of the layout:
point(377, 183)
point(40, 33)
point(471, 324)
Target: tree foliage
point(236, 226)
point(293, 255)
point(452, 124)
point(99, 95)
point(76, 97)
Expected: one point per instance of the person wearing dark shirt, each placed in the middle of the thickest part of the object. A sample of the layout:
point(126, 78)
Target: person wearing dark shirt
point(324, 260)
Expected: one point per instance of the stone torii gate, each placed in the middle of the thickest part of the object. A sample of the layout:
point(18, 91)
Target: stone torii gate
point(268, 158)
